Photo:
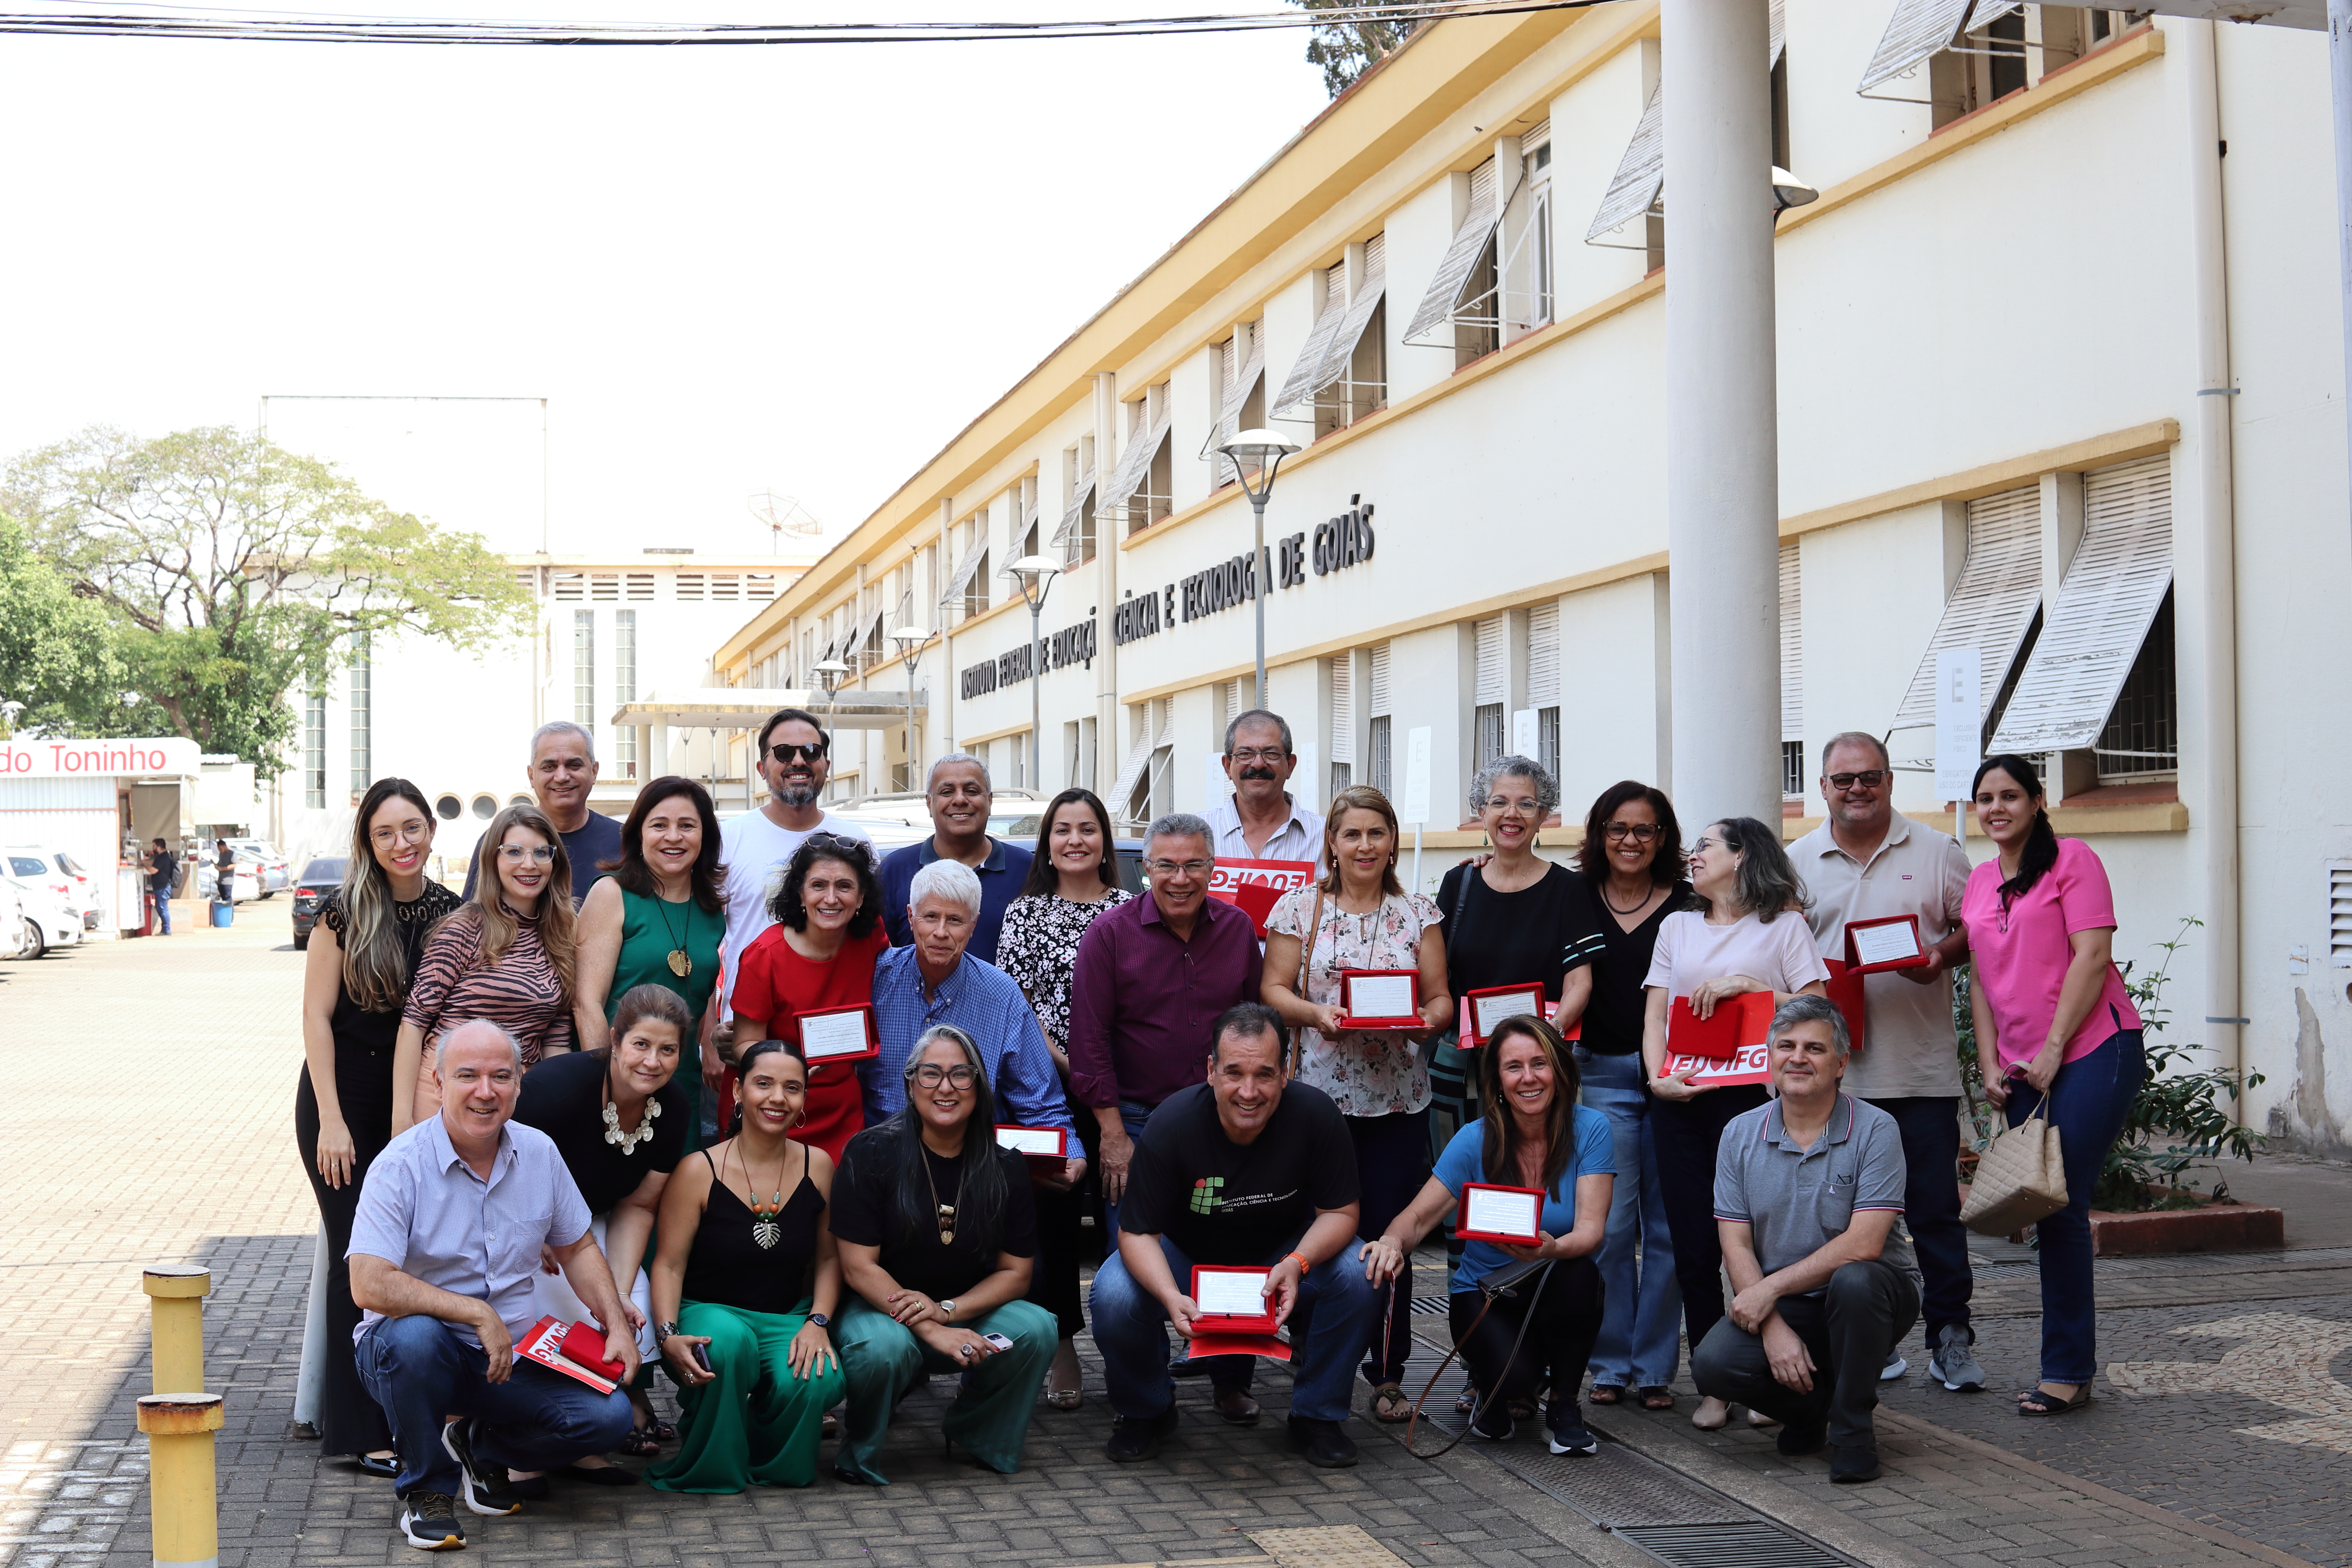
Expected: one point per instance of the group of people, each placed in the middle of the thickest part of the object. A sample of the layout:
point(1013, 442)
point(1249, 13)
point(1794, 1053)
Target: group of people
point(580, 1090)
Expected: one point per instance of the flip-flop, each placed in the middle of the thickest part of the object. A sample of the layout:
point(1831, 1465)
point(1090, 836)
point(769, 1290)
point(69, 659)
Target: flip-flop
point(1390, 1405)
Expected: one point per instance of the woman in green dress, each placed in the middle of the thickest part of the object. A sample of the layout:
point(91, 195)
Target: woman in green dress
point(743, 1291)
point(658, 920)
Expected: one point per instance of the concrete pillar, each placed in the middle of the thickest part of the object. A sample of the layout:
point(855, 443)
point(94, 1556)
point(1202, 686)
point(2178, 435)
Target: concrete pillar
point(1722, 427)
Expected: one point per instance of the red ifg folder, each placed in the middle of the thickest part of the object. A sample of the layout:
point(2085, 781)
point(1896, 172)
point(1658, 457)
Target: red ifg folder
point(575, 1350)
point(1743, 1020)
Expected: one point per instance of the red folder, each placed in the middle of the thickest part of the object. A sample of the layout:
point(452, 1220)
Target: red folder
point(1739, 1021)
point(575, 1350)
point(1255, 887)
point(1845, 990)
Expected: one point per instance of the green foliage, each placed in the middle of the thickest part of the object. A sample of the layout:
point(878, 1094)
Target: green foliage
point(2177, 1121)
point(1346, 50)
point(57, 654)
point(229, 569)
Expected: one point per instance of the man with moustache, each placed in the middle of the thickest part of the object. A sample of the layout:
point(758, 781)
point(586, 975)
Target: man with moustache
point(1260, 821)
point(794, 758)
point(562, 771)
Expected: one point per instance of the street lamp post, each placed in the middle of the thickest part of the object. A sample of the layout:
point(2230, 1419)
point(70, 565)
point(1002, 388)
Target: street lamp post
point(910, 639)
point(1265, 449)
point(830, 671)
point(1034, 575)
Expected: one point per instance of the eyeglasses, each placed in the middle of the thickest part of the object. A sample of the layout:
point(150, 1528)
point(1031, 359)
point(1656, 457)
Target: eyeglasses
point(930, 1075)
point(515, 854)
point(786, 752)
point(1170, 867)
point(1499, 803)
point(1703, 845)
point(413, 833)
point(1247, 754)
point(1868, 779)
point(1639, 832)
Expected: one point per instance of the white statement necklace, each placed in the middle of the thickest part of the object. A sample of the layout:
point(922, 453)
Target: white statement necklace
point(628, 1142)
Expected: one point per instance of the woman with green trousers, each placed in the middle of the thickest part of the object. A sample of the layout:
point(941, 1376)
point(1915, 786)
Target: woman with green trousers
point(744, 1286)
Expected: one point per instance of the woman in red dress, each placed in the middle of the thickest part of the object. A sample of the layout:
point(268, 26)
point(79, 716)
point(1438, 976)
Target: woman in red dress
point(820, 954)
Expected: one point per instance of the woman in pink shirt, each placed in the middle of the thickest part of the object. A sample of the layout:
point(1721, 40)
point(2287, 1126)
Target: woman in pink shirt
point(2055, 1027)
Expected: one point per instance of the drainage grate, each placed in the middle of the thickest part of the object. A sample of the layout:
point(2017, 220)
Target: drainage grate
point(1429, 1306)
point(1752, 1545)
point(1617, 1489)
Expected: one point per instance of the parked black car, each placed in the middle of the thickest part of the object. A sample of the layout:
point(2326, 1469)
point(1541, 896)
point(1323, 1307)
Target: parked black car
point(321, 877)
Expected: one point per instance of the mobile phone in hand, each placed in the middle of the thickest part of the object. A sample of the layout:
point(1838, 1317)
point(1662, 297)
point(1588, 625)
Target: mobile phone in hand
point(701, 1354)
point(997, 1341)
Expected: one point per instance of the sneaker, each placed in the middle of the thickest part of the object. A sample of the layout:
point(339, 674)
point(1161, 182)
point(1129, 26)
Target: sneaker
point(1850, 1467)
point(1569, 1437)
point(1895, 1367)
point(429, 1520)
point(1494, 1424)
point(1324, 1444)
point(1134, 1438)
point(1954, 1364)
point(486, 1490)
point(1799, 1441)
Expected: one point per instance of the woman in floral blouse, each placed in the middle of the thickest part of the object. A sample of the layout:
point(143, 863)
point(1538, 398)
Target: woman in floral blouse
point(1361, 917)
point(1073, 878)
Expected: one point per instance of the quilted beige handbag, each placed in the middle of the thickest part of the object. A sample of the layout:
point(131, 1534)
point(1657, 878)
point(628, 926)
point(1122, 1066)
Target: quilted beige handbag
point(2018, 1180)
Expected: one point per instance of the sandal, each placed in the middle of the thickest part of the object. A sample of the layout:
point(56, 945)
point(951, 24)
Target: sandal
point(1390, 1404)
point(2042, 1402)
point(1062, 1398)
point(1656, 1396)
point(1466, 1406)
point(1521, 1409)
point(642, 1443)
point(1606, 1393)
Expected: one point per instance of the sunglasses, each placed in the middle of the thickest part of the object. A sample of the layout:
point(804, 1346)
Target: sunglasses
point(1869, 778)
point(786, 752)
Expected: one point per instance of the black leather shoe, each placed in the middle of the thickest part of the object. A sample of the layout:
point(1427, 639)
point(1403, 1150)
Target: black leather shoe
point(1795, 1441)
point(1324, 1444)
point(1850, 1467)
point(1134, 1438)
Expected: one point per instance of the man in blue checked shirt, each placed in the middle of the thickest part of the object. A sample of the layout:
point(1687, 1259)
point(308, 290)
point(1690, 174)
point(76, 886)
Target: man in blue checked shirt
point(937, 981)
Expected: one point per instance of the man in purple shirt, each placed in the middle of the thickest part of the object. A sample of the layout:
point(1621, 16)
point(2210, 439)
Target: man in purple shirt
point(1150, 980)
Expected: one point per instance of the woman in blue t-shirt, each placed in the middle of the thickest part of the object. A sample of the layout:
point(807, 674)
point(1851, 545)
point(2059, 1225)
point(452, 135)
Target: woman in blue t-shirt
point(1534, 1135)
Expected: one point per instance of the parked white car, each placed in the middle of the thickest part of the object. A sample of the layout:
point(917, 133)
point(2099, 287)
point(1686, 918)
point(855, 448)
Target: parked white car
point(15, 936)
point(46, 918)
point(271, 872)
point(66, 877)
point(246, 884)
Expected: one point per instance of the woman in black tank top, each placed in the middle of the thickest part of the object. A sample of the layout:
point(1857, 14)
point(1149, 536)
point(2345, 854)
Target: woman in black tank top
point(746, 1276)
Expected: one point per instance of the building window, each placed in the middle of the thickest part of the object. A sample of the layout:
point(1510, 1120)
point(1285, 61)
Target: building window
point(2143, 734)
point(689, 586)
point(1792, 660)
point(641, 586)
point(1489, 717)
point(624, 688)
point(314, 750)
point(1024, 497)
point(584, 670)
point(1382, 779)
point(569, 586)
point(604, 587)
point(1792, 768)
point(1548, 739)
point(362, 721)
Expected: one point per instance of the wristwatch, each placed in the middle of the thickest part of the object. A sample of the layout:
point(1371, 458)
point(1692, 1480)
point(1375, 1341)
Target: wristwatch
point(662, 1332)
point(947, 1310)
point(820, 1319)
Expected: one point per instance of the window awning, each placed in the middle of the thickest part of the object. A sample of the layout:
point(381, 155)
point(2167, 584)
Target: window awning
point(2104, 607)
point(1130, 771)
point(1918, 30)
point(1642, 174)
point(1068, 529)
point(1461, 258)
point(960, 580)
point(1135, 462)
point(1308, 379)
point(1237, 390)
point(1991, 607)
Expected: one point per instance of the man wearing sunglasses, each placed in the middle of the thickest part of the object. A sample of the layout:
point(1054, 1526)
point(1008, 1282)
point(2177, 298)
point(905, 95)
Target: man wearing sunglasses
point(1868, 861)
point(795, 758)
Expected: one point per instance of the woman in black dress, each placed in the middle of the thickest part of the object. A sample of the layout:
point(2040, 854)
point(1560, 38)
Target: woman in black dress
point(362, 957)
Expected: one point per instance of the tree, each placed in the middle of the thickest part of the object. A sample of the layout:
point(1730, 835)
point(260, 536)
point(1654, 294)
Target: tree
point(230, 569)
point(1346, 50)
point(57, 652)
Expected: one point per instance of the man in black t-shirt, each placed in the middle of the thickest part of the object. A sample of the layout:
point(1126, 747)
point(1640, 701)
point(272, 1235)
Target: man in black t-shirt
point(1245, 1169)
point(163, 870)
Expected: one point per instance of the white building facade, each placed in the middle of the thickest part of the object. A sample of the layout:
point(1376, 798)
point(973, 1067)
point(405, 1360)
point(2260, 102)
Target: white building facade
point(1451, 287)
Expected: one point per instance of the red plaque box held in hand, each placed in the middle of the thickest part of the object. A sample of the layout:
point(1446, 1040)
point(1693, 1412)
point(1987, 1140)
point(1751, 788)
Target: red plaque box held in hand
point(1882, 946)
point(1232, 1301)
point(1047, 1144)
point(838, 1034)
point(1379, 999)
point(1483, 1011)
point(1512, 1216)
point(1728, 1048)
point(575, 1350)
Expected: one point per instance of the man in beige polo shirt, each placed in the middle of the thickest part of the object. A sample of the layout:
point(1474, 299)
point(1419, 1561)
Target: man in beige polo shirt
point(1867, 861)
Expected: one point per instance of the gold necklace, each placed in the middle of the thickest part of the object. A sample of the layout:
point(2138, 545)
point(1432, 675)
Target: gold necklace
point(680, 964)
point(947, 1212)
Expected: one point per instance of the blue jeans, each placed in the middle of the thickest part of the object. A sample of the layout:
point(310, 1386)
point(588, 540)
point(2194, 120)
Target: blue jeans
point(1930, 1126)
point(2088, 1101)
point(161, 899)
point(1640, 1336)
point(1225, 1371)
point(421, 1373)
point(1327, 1336)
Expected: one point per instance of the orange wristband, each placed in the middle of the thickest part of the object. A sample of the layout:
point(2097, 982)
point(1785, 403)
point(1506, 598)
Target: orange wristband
point(1303, 1265)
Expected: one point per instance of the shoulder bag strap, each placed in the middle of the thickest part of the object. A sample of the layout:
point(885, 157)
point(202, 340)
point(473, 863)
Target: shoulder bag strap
point(1305, 951)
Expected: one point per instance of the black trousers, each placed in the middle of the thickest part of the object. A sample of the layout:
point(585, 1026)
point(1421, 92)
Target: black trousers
point(1930, 1129)
point(1849, 1327)
point(1065, 1243)
point(1558, 1340)
point(1391, 1167)
point(350, 1420)
point(1685, 1134)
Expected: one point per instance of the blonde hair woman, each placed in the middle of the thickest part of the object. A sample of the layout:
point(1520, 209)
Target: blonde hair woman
point(1359, 917)
point(507, 956)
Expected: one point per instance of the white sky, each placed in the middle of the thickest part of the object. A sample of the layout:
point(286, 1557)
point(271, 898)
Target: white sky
point(729, 269)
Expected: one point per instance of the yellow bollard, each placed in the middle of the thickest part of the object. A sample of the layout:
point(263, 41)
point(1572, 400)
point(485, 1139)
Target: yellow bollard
point(179, 1428)
point(178, 1331)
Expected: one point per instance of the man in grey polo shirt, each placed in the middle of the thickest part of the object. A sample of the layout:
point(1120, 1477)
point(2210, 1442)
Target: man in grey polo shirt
point(1868, 861)
point(1809, 1205)
point(444, 1250)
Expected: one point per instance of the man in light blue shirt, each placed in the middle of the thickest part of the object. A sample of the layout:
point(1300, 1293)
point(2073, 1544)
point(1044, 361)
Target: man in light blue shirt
point(936, 982)
point(444, 1250)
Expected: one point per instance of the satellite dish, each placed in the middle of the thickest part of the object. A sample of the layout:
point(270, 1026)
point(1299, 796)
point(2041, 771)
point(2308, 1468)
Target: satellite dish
point(785, 515)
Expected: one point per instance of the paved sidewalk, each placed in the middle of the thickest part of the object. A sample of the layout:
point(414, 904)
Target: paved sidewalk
point(164, 1134)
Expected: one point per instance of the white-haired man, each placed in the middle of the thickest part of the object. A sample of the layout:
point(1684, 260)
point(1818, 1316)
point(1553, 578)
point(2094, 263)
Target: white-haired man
point(562, 771)
point(938, 981)
point(444, 1249)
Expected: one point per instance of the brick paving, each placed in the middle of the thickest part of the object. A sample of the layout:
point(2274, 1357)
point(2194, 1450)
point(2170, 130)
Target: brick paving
point(163, 1111)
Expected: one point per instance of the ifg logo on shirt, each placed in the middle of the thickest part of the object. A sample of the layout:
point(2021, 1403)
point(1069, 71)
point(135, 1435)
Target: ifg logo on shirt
point(1204, 1194)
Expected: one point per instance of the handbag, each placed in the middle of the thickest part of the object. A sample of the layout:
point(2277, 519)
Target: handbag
point(2020, 1179)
